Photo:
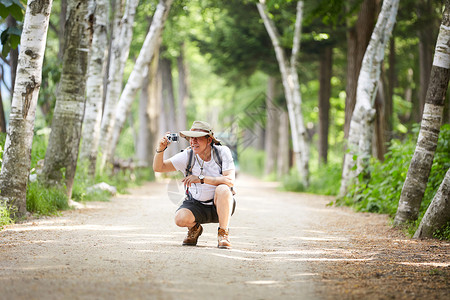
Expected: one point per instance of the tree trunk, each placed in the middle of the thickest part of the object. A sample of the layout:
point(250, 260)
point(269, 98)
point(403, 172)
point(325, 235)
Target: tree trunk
point(2, 112)
point(291, 88)
point(62, 151)
point(272, 127)
point(183, 89)
point(62, 24)
point(142, 145)
point(94, 89)
point(120, 48)
point(379, 141)
point(134, 82)
point(17, 151)
point(438, 213)
point(419, 170)
point(361, 126)
point(326, 64)
point(283, 145)
point(358, 37)
point(13, 55)
point(153, 108)
point(168, 101)
point(388, 105)
point(426, 36)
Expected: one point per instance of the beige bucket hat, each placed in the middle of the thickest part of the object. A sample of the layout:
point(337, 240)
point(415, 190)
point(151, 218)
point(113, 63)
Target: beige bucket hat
point(199, 129)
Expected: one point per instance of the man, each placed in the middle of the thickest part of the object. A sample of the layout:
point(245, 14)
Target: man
point(209, 178)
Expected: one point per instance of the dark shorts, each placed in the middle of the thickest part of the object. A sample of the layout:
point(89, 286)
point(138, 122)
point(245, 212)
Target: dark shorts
point(203, 213)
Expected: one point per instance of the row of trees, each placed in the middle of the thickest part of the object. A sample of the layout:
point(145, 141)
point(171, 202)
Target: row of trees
point(92, 105)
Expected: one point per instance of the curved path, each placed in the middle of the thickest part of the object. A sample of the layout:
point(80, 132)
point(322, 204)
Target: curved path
point(285, 246)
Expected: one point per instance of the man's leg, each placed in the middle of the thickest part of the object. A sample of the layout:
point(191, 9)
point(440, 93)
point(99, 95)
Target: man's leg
point(223, 200)
point(185, 218)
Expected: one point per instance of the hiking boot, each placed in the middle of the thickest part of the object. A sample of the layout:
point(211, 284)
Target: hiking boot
point(223, 239)
point(192, 235)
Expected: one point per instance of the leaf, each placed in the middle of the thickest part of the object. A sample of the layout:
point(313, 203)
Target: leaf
point(5, 50)
point(15, 41)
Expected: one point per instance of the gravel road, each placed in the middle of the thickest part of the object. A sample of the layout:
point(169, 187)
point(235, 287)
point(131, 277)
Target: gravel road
point(285, 246)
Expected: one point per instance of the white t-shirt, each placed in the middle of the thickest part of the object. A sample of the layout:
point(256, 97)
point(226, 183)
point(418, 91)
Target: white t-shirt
point(203, 192)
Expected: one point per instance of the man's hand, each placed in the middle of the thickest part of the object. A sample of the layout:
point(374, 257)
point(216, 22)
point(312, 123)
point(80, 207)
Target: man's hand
point(188, 181)
point(163, 144)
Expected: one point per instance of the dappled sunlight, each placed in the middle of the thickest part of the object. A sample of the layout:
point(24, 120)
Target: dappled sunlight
point(263, 282)
point(426, 264)
point(76, 227)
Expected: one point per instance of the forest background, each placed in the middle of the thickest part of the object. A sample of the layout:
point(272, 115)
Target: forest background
point(216, 62)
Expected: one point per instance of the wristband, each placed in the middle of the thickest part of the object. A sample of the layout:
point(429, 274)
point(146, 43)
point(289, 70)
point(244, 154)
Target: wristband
point(161, 150)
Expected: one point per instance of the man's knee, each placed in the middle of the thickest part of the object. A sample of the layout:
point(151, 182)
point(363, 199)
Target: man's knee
point(223, 191)
point(184, 218)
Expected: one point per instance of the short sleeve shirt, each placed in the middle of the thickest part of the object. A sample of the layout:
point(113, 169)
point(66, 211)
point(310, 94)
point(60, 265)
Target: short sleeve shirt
point(203, 192)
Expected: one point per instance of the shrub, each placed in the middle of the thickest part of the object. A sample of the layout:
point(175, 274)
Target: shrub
point(4, 217)
point(381, 191)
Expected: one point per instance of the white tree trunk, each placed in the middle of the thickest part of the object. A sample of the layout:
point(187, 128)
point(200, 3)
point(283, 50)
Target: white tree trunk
point(94, 88)
point(361, 124)
point(438, 213)
point(291, 88)
point(119, 54)
point(134, 82)
point(422, 160)
point(62, 151)
point(17, 149)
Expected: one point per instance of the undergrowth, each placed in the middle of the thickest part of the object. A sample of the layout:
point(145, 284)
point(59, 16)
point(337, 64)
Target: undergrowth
point(381, 192)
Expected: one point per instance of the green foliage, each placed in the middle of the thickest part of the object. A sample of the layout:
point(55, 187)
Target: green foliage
point(292, 182)
point(381, 192)
point(10, 36)
point(443, 233)
point(4, 216)
point(45, 200)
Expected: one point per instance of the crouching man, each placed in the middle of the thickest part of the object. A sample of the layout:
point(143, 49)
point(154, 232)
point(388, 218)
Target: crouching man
point(209, 178)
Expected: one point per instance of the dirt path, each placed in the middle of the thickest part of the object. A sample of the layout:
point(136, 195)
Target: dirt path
point(285, 246)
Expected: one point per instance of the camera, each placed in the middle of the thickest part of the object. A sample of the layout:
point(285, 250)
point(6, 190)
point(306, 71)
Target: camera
point(172, 137)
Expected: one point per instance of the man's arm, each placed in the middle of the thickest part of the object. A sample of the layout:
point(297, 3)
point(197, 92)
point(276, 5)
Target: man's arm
point(159, 164)
point(226, 178)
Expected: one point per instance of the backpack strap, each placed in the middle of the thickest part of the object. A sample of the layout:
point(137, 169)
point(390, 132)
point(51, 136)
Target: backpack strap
point(217, 157)
point(189, 165)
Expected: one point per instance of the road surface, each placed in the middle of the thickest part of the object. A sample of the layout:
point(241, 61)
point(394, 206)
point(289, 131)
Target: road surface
point(285, 246)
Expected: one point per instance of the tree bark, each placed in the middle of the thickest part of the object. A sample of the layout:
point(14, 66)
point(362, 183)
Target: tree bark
point(120, 48)
point(272, 127)
point(17, 154)
point(291, 88)
point(358, 37)
point(326, 64)
point(94, 89)
point(419, 169)
point(426, 36)
point(62, 24)
point(389, 106)
point(361, 126)
point(283, 145)
point(438, 213)
point(134, 82)
point(62, 151)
